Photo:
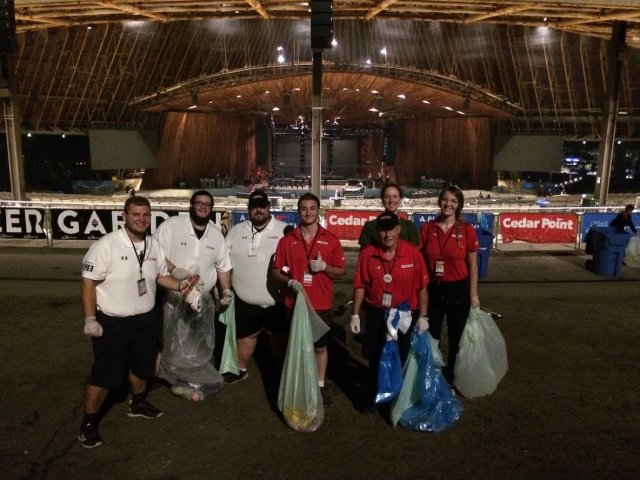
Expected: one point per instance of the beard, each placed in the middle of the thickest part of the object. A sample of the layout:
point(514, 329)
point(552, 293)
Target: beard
point(260, 220)
point(197, 220)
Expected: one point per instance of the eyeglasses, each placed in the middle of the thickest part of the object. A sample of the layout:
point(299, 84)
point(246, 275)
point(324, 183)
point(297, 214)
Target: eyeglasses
point(203, 204)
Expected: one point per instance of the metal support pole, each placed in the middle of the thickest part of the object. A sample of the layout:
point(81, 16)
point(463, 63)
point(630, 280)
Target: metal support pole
point(316, 122)
point(12, 131)
point(616, 58)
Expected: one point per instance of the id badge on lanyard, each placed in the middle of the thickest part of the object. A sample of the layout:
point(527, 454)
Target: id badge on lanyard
point(307, 279)
point(142, 287)
point(386, 299)
point(438, 268)
point(141, 283)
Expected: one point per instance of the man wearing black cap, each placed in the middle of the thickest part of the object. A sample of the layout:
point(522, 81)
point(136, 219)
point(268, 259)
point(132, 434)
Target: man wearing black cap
point(251, 246)
point(389, 275)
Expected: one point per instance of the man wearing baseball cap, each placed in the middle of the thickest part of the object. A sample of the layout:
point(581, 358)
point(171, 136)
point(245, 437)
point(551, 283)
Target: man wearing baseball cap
point(390, 274)
point(251, 245)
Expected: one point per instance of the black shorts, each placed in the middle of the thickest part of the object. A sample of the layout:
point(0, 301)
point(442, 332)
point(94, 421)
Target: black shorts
point(251, 319)
point(326, 315)
point(127, 343)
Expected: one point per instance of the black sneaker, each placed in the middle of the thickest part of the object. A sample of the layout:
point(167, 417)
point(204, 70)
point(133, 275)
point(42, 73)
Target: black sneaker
point(89, 436)
point(142, 408)
point(326, 398)
point(230, 378)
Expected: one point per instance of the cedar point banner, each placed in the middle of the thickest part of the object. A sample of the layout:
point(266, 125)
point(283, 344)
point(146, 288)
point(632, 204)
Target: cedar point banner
point(538, 227)
point(347, 224)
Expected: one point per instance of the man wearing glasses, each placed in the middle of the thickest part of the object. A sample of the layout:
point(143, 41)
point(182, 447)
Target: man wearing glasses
point(194, 245)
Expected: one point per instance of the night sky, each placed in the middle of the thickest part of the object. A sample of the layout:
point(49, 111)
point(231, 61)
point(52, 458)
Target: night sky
point(51, 162)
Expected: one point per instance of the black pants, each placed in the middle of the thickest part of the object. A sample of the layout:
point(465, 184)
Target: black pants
point(451, 300)
point(375, 336)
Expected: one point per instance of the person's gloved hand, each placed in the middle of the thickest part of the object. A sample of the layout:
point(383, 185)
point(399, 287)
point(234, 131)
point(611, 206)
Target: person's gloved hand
point(475, 301)
point(423, 324)
point(179, 273)
point(188, 284)
point(194, 298)
point(317, 265)
point(92, 327)
point(295, 285)
point(227, 296)
point(354, 324)
point(183, 288)
point(392, 333)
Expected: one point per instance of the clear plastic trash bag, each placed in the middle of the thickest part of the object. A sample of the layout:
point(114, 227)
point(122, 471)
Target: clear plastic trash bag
point(188, 344)
point(632, 252)
point(193, 391)
point(318, 327)
point(426, 402)
point(482, 359)
point(229, 361)
point(299, 397)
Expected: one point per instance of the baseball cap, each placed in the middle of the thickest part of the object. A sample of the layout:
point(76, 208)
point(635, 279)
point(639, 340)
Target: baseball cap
point(387, 221)
point(258, 198)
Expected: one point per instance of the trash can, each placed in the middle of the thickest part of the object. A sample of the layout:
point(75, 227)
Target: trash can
point(337, 202)
point(485, 240)
point(608, 250)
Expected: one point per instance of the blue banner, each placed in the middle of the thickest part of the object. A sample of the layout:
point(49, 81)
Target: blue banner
point(482, 221)
point(292, 218)
point(602, 220)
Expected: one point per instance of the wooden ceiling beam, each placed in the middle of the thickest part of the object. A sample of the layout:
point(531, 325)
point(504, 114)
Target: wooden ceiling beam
point(135, 11)
point(500, 12)
point(48, 21)
point(382, 6)
point(257, 6)
point(628, 15)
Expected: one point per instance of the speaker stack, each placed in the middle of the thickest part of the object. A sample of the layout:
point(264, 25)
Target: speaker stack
point(321, 23)
point(8, 40)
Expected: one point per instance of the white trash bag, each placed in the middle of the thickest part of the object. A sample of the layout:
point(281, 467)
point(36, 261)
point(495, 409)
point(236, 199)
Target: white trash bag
point(482, 359)
point(632, 253)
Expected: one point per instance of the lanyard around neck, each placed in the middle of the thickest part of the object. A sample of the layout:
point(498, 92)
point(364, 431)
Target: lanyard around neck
point(392, 262)
point(140, 256)
point(255, 230)
point(304, 243)
point(441, 244)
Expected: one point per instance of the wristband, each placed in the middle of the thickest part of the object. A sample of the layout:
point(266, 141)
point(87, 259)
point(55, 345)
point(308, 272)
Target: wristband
point(89, 319)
